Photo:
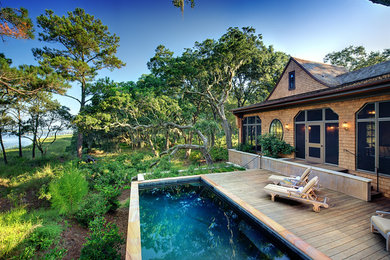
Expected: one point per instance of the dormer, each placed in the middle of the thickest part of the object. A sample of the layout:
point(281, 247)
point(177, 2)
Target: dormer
point(302, 76)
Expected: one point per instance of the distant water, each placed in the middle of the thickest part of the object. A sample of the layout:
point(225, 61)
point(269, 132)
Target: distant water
point(12, 141)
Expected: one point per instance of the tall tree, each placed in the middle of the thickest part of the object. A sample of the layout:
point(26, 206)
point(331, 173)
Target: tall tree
point(5, 123)
point(209, 69)
point(86, 47)
point(354, 58)
point(15, 23)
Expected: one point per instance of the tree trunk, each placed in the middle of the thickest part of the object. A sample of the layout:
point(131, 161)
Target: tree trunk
point(188, 152)
point(80, 136)
point(20, 134)
point(167, 144)
point(225, 126)
point(207, 156)
point(35, 136)
point(2, 148)
point(79, 145)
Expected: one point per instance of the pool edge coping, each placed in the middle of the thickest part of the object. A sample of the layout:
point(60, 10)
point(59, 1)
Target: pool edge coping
point(133, 241)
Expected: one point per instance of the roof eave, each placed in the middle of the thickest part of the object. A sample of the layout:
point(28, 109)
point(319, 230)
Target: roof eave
point(331, 93)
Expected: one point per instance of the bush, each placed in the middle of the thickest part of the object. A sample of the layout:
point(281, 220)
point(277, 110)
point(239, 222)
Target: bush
point(273, 146)
point(219, 154)
point(245, 148)
point(104, 241)
point(68, 191)
point(110, 194)
point(94, 206)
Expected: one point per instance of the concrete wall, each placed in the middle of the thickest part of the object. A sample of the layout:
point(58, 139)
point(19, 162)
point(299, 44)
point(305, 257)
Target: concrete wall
point(351, 185)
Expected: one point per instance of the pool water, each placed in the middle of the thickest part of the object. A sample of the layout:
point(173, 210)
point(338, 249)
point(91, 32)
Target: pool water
point(190, 222)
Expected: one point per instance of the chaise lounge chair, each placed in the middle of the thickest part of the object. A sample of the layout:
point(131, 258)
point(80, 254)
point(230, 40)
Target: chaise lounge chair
point(380, 224)
point(292, 181)
point(304, 194)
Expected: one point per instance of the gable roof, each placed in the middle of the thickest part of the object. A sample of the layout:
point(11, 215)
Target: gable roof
point(338, 80)
point(322, 72)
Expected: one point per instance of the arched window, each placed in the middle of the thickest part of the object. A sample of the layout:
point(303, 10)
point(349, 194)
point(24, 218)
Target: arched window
point(373, 137)
point(251, 130)
point(276, 128)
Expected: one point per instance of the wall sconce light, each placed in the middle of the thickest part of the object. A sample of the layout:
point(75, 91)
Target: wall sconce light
point(345, 126)
point(287, 127)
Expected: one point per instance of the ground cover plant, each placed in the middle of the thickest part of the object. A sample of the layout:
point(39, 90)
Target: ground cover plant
point(43, 198)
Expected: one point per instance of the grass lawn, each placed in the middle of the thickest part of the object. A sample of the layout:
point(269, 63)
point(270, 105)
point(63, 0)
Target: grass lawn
point(31, 228)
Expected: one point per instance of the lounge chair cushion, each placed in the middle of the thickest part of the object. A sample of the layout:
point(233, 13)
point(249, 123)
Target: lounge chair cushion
point(383, 224)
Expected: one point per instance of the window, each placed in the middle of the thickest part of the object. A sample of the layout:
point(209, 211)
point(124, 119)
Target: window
point(373, 137)
point(309, 121)
point(291, 80)
point(251, 130)
point(276, 128)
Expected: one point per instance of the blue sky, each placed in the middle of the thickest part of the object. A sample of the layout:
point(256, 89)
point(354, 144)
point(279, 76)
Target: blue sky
point(308, 29)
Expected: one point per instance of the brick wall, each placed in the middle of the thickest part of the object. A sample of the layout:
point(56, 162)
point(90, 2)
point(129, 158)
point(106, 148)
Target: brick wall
point(347, 140)
point(303, 83)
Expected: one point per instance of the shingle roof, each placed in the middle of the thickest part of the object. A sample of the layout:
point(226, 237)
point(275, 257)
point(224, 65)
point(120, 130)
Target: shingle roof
point(325, 73)
point(336, 78)
point(365, 73)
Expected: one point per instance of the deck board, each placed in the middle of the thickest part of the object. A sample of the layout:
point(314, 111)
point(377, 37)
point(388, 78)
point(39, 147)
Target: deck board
point(342, 231)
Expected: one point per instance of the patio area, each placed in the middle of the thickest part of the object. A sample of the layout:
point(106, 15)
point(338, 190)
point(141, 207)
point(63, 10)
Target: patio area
point(341, 231)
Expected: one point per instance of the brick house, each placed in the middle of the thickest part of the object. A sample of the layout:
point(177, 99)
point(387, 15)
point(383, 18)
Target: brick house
point(330, 115)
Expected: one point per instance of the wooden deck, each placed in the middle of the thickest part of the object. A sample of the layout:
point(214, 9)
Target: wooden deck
point(342, 231)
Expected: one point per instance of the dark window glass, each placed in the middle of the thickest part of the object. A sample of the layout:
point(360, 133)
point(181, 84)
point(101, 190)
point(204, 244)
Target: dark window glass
point(300, 117)
point(330, 115)
point(332, 143)
point(251, 131)
point(244, 134)
point(314, 115)
point(276, 128)
point(384, 147)
point(366, 146)
point(368, 111)
point(315, 152)
point(314, 134)
point(291, 80)
point(300, 141)
point(384, 109)
point(258, 132)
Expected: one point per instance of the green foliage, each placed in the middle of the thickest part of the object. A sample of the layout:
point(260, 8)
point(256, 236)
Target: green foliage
point(245, 148)
point(24, 234)
point(95, 205)
point(14, 228)
point(354, 58)
point(68, 191)
point(110, 194)
point(104, 241)
point(15, 23)
point(219, 154)
point(41, 239)
point(273, 146)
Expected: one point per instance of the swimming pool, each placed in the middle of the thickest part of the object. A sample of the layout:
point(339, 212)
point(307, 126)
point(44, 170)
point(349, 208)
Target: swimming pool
point(191, 221)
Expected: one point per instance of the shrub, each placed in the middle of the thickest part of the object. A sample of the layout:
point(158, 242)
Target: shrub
point(245, 148)
point(273, 146)
point(104, 241)
point(95, 205)
point(110, 194)
point(219, 154)
point(68, 191)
